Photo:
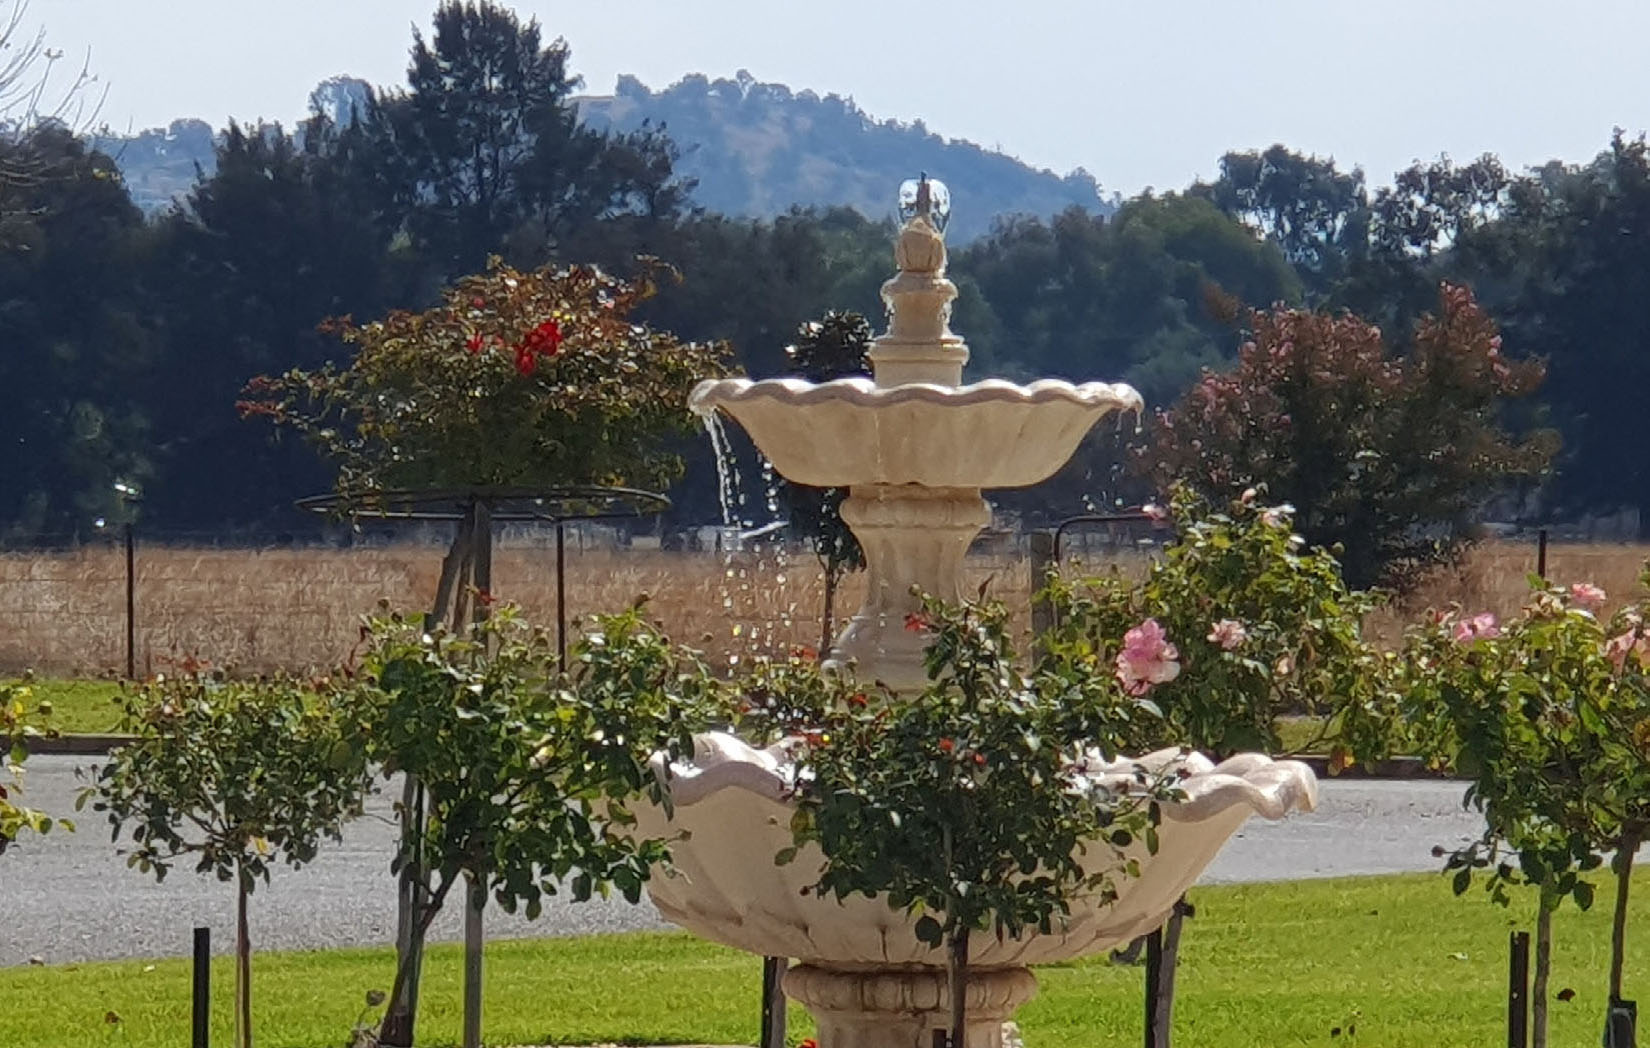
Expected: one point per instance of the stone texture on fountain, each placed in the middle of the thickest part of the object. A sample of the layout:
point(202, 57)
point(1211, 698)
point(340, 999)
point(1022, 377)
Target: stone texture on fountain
point(733, 801)
point(853, 432)
point(915, 447)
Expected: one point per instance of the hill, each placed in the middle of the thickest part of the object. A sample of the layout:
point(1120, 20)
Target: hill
point(755, 150)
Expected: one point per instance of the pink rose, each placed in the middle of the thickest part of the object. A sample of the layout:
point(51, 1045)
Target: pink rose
point(1482, 626)
point(1277, 516)
point(1631, 643)
point(1228, 633)
point(1586, 596)
point(1147, 659)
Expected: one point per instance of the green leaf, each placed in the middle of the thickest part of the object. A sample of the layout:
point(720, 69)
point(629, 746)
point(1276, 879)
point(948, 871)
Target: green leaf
point(1583, 894)
point(929, 931)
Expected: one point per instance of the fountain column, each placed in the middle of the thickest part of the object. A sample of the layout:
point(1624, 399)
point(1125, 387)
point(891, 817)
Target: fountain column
point(915, 537)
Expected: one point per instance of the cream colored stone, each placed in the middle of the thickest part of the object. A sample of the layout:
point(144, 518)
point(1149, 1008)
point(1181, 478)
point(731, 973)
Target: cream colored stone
point(733, 802)
point(915, 447)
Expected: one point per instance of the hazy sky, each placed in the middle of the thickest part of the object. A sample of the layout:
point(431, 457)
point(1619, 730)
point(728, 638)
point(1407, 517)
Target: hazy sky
point(1148, 92)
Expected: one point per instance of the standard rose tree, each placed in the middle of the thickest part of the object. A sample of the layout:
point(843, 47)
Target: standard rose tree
point(1235, 626)
point(519, 379)
point(231, 777)
point(1548, 715)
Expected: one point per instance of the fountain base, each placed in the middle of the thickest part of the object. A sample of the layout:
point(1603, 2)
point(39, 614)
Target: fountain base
point(902, 1009)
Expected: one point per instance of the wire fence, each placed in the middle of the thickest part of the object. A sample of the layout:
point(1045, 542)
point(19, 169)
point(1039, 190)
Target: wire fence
point(259, 603)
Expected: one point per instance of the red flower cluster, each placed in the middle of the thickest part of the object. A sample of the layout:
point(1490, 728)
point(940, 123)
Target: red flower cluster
point(542, 341)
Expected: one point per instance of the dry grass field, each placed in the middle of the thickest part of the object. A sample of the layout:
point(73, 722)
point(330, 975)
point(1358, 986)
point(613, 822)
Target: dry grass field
point(300, 609)
point(258, 610)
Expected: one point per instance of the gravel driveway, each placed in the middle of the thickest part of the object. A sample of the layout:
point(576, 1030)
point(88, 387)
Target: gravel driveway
point(70, 897)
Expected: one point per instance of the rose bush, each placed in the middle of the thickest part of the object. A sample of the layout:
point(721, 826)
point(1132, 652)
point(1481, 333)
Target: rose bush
point(966, 804)
point(1234, 626)
point(515, 379)
point(1548, 716)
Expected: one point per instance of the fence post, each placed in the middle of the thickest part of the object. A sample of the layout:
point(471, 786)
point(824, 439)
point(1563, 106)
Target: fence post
point(1518, 990)
point(773, 1002)
point(131, 604)
point(201, 1012)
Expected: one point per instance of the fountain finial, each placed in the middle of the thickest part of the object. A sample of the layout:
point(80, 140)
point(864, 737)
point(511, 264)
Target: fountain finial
point(919, 345)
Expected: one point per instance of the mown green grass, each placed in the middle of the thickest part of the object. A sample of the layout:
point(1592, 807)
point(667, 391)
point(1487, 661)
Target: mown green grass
point(1394, 962)
point(79, 706)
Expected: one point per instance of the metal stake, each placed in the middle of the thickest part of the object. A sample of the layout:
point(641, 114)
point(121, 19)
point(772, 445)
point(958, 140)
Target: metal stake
point(201, 1011)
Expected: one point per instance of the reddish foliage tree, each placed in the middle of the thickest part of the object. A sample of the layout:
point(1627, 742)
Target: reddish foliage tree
point(1387, 455)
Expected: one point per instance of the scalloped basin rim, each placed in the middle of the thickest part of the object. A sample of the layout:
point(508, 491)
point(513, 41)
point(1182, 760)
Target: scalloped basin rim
point(711, 394)
point(1270, 788)
point(732, 800)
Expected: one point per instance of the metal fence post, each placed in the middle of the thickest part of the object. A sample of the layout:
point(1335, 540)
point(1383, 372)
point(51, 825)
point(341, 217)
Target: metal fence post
point(131, 603)
point(1518, 990)
point(201, 1011)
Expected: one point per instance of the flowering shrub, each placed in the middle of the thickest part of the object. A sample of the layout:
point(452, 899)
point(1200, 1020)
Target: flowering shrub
point(1385, 454)
point(1549, 716)
point(966, 803)
point(1235, 625)
point(521, 379)
point(231, 777)
point(526, 769)
point(19, 724)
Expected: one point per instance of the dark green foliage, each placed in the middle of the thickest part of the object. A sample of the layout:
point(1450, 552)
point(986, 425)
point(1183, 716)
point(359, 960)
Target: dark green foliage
point(483, 151)
point(1317, 214)
point(1581, 240)
point(833, 347)
point(74, 338)
point(1086, 298)
point(277, 240)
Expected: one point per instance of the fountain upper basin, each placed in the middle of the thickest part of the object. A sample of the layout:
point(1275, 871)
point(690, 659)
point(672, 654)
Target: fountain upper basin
point(733, 801)
point(990, 434)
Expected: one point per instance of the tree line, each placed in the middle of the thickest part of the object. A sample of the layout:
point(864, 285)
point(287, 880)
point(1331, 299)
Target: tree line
point(127, 340)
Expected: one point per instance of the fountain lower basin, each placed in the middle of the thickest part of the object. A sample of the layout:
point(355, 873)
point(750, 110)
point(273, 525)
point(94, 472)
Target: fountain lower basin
point(732, 802)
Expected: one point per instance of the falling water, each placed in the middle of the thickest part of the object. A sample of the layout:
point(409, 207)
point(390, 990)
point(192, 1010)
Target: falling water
point(739, 577)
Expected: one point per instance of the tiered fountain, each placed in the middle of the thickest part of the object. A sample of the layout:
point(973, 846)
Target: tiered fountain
point(915, 448)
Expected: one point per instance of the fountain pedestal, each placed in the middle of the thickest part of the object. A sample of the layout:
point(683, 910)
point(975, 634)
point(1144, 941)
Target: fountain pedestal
point(915, 539)
point(902, 1009)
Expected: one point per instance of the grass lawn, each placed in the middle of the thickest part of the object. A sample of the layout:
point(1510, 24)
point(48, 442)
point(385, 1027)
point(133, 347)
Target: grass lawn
point(80, 706)
point(1394, 962)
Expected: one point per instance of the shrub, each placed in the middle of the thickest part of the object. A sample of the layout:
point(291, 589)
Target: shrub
point(1245, 623)
point(1386, 457)
point(516, 379)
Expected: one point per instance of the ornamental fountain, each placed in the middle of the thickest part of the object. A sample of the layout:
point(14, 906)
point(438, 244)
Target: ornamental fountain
point(915, 447)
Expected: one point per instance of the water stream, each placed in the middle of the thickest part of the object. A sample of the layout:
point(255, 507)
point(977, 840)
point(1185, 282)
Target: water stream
point(749, 555)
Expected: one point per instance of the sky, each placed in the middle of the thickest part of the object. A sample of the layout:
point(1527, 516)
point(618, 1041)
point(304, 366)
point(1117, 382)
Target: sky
point(1140, 93)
